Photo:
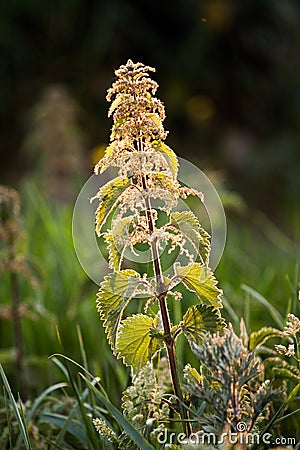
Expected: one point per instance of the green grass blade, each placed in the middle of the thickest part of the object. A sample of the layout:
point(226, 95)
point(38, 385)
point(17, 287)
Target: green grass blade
point(74, 426)
point(286, 416)
point(231, 312)
point(52, 444)
point(84, 361)
point(60, 365)
point(278, 318)
point(137, 438)
point(82, 348)
point(92, 409)
point(38, 401)
point(65, 371)
point(21, 423)
point(8, 418)
point(91, 432)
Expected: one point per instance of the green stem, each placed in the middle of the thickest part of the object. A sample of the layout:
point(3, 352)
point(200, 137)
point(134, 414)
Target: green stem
point(298, 351)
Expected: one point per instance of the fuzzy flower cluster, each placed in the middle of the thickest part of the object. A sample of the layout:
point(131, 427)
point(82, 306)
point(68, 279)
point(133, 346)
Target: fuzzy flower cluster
point(291, 329)
point(142, 163)
point(292, 325)
point(136, 112)
point(142, 401)
point(138, 116)
point(147, 169)
point(104, 430)
point(286, 351)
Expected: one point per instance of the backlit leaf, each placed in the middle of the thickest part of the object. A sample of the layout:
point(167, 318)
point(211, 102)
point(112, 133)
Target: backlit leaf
point(286, 373)
point(117, 101)
point(134, 343)
point(155, 119)
point(189, 225)
point(258, 338)
point(200, 279)
point(200, 319)
point(106, 161)
point(169, 154)
point(109, 195)
point(117, 240)
point(114, 295)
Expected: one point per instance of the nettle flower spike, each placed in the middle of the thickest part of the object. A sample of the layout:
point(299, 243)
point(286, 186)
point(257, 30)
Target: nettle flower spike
point(147, 175)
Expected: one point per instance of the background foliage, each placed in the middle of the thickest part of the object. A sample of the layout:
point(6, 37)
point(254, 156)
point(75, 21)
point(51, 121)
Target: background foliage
point(228, 70)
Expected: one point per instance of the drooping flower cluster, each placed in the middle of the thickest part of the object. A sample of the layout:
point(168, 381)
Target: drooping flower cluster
point(142, 401)
point(104, 430)
point(291, 329)
point(292, 325)
point(287, 351)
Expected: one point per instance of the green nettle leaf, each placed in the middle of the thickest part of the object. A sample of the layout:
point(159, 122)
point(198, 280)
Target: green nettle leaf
point(188, 224)
point(169, 154)
point(106, 161)
point(258, 338)
point(288, 372)
point(117, 101)
point(200, 279)
point(134, 343)
point(115, 293)
point(155, 119)
point(200, 319)
point(109, 195)
point(117, 239)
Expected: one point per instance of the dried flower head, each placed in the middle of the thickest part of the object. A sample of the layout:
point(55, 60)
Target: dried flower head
point(292, 325)
point(147, 170)
point(287, 351)
point(138, 121)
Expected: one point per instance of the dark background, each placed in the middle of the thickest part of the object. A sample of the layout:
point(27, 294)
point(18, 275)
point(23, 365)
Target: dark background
point(229, 75)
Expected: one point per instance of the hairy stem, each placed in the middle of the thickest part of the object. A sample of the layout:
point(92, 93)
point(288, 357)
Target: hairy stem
point(169, 339)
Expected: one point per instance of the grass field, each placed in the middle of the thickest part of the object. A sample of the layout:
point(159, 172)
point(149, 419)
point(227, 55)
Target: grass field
point(259, 274)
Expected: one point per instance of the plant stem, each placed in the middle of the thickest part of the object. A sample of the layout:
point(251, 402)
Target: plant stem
point(18, 334)
point(169, 339)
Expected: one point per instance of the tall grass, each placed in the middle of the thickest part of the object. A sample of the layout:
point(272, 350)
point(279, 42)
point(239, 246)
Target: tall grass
point(262, 258)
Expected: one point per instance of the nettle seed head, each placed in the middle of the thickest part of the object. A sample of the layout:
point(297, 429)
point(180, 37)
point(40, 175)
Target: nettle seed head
point(136, 112)
point(138, 122)
point(147, 167)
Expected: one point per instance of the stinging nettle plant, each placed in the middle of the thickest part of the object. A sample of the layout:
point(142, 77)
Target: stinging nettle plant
point(136, 208)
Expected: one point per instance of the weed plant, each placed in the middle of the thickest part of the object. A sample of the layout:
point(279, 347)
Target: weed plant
point(188, 371)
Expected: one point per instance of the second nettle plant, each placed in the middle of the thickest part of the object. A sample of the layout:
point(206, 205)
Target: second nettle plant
point(138, 208)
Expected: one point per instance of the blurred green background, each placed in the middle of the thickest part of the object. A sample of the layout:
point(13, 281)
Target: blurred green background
point(229, 75)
